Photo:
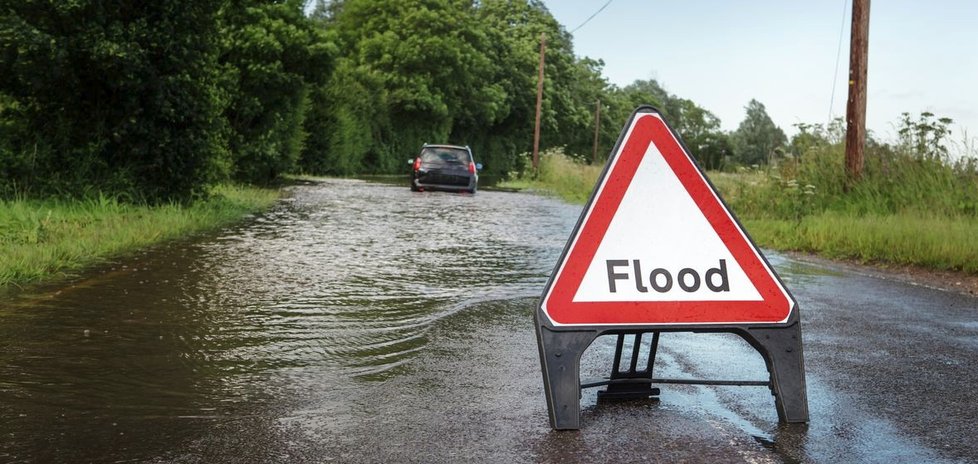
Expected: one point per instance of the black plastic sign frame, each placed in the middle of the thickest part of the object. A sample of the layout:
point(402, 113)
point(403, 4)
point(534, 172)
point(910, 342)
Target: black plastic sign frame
point(772, 326)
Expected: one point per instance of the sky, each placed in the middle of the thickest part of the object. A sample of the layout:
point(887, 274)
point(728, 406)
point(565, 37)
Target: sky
point(923, 56)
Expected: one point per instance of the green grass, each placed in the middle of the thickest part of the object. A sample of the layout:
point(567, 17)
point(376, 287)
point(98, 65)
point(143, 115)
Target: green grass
point(40, 240)
point(559, 175)
point(908, 209)
point(946, 243)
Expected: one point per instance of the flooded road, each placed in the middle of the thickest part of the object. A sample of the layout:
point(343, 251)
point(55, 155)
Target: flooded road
point(361, 322)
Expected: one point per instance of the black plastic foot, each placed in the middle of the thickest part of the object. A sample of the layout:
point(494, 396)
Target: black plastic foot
point(560, 356)
point(782, 352)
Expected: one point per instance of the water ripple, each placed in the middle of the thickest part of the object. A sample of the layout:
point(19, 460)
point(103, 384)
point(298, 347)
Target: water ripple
point(340, 284)
point(351, 274)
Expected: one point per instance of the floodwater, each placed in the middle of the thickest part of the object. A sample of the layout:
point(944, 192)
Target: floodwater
point(341, 284)
point(360, 322)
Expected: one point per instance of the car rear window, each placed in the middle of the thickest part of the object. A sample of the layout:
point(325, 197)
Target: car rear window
point(445, 155)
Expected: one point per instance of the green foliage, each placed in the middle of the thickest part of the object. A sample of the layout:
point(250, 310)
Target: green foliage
point(513, 29)
point(418, 71)
point(356, 122)
point(41, 238)
point(816, 137)
point(411, 71)
point(757, 139)
point(698, 128)
point(913, 176)
point(566, 177)
point(926, 136)
point(120, 97)
point(911, 208)
point(271, 54)
point(933, 241)
point(913, 205)
point(156, 102)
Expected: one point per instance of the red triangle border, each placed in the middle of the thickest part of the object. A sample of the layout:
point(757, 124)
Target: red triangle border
point(646, 128)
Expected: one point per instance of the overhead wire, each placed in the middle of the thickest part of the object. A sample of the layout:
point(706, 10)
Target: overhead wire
point(838, 53)
point(592, 16)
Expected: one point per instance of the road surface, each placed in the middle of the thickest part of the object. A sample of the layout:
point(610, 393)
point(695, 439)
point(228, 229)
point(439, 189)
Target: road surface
point(361, 322)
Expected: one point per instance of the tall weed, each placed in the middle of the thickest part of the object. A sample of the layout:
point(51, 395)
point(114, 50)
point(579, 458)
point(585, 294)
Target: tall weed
point(894, 181)
point(914, 204)
point(558, 173)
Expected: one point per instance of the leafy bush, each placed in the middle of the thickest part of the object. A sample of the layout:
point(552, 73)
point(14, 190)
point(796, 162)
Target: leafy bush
point(271, 54)
point(120, 97)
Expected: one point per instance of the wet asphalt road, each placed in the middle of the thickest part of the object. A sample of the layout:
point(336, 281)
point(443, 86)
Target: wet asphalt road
point(360, 322)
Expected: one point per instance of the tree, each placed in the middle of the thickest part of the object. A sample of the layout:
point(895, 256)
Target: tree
point(699, 128)
point(647, 92)
point(114, 97)
point(513, 30)
point(428, 57)
point(757, 139)
point(272, 56)
point(159, 101)
point(452, 71)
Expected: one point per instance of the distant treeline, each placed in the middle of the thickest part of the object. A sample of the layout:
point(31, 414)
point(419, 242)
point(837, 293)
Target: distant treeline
point(159, 100)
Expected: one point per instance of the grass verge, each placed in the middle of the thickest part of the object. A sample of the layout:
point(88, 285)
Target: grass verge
point(909, 210)
point(944, 243)
point(44, 239)
point(559, 175)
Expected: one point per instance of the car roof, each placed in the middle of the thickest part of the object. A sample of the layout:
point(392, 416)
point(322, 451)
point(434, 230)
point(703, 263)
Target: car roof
point(436, 145)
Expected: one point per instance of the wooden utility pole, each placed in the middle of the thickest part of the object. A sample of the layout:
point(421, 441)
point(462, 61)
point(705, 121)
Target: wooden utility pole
point(856, 105)
point(597, 130)
point(536, 127)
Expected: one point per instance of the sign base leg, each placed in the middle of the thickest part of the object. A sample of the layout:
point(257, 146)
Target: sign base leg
point(560, 356)
point(781, 348)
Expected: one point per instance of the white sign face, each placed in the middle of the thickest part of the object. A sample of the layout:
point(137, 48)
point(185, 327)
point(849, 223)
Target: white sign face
point(660, 247)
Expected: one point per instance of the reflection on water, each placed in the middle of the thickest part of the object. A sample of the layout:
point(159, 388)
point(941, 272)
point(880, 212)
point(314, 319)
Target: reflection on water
point(350, 275)
point(342, 280)
point(302, 321)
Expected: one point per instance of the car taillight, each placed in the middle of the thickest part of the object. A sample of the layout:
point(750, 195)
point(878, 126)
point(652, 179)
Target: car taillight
point(471, 167)
point(417, 163)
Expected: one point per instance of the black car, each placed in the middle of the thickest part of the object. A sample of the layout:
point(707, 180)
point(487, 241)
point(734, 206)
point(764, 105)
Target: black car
point(445, 167)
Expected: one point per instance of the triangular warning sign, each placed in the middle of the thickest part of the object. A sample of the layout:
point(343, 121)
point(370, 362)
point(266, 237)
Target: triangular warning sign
point(656, 246)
